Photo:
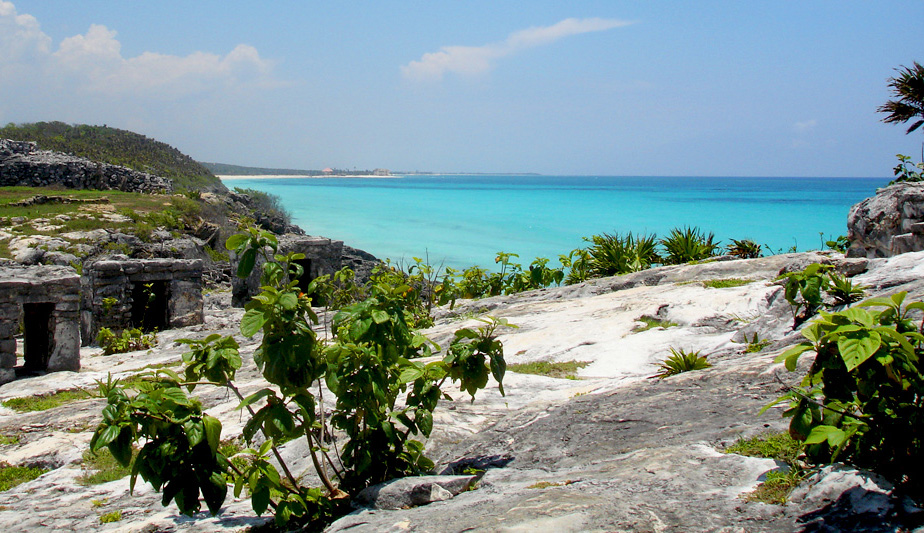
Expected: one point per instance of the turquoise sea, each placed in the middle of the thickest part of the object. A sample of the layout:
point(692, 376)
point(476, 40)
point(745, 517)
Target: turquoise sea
point(464, 219)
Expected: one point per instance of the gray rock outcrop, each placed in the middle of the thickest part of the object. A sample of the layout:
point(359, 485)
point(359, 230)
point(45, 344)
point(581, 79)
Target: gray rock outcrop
point(889, 223)
point(22, 163)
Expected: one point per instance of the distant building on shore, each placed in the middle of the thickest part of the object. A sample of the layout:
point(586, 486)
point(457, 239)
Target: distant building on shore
point(327, 171)
point(381, 172)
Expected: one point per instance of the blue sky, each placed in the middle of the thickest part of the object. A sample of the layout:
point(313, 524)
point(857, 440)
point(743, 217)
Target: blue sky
point(606, 88)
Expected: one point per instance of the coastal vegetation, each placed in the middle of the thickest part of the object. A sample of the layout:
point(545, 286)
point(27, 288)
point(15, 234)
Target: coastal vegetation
point(861, 400)
point(117, 147)
point(907, 89)
point(368, 365)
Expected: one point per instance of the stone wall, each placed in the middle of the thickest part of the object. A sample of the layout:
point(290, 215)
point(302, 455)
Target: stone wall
point(22, 163)
point(889, 223)
point(325, 257)
point(110, 290)
point(57, 290)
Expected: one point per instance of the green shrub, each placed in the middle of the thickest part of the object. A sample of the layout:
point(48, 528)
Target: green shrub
point(681, 361)
point(129, 340)
point(862, 401)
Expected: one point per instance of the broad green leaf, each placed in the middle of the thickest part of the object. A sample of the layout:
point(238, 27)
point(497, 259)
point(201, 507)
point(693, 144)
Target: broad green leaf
point(791, 356)
point(834, 436)
point(195, 432)
point(252, 322)
point(212, 432)
point(855, 347)
point(288, 301)
point(410, 373)
point(379, 316)
point(247, 261)
point(236, 241)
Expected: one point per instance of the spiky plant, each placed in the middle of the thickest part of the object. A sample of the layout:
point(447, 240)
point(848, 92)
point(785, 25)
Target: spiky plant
point(614, 254)
point(744, 249)
point(681, 361)
point(688, 244)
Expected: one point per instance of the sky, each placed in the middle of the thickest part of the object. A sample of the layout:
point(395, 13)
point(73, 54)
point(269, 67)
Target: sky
point(611, 87)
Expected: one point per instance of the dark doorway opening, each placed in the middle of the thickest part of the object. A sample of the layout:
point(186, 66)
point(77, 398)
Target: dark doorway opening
point(38, 335)
point(306, 276)
point(149, 306)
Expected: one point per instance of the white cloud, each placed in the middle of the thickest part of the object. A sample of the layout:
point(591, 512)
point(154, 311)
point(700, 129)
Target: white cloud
point(471, 60)
point(93, 63)
point(805, 125)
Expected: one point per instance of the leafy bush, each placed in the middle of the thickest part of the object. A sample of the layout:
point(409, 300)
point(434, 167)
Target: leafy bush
point(805, 290)
point(383, 397)
point(688, 244)
point(129, 340)
point(681, 361)
point(264, 202)
point(862, 401)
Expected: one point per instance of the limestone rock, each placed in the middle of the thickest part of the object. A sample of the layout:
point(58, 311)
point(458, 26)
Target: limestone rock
point(413, 491)
point(888, 223)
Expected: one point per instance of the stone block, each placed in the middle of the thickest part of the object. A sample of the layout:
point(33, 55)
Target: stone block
point(8, 346)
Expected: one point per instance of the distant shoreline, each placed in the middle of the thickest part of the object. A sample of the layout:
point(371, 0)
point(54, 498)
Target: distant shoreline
point(301, 176)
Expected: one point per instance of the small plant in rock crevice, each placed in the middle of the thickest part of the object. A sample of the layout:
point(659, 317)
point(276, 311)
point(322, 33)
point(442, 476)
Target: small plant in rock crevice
point(129, 340)
point(680, 361)
point(778, 483)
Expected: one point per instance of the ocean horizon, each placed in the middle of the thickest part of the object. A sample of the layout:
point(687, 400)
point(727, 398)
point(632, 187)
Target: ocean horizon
point(459, 220)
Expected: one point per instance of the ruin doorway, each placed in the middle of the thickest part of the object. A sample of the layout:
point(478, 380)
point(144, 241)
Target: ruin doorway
point(306, 276)
point(38, 335)
point(150, 310)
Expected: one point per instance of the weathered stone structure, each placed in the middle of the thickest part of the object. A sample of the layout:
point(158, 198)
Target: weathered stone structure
point(22, 163)
point(144, 293)
point(322, 256)
point(890, 223)
point(47, 301)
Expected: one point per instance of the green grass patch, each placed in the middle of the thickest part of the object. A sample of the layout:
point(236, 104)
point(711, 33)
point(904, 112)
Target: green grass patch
point(777, 487)
point(726, 283)
point(547, 484)
point(109, 518)
point(8, 440)
point(562, 370)
point(651, 322)
point(779, 483)
point(10, 475)
point(44, 402)
point(779, 446)
point(100, 467)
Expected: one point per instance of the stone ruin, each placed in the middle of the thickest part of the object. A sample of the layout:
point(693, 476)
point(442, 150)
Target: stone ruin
point(22, 163)
point(44, 301)
point(322, 256)
point(149, 294)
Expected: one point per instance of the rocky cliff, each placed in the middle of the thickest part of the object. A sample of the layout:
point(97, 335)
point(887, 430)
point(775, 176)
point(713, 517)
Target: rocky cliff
point(889, 223)
point(22, 163)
